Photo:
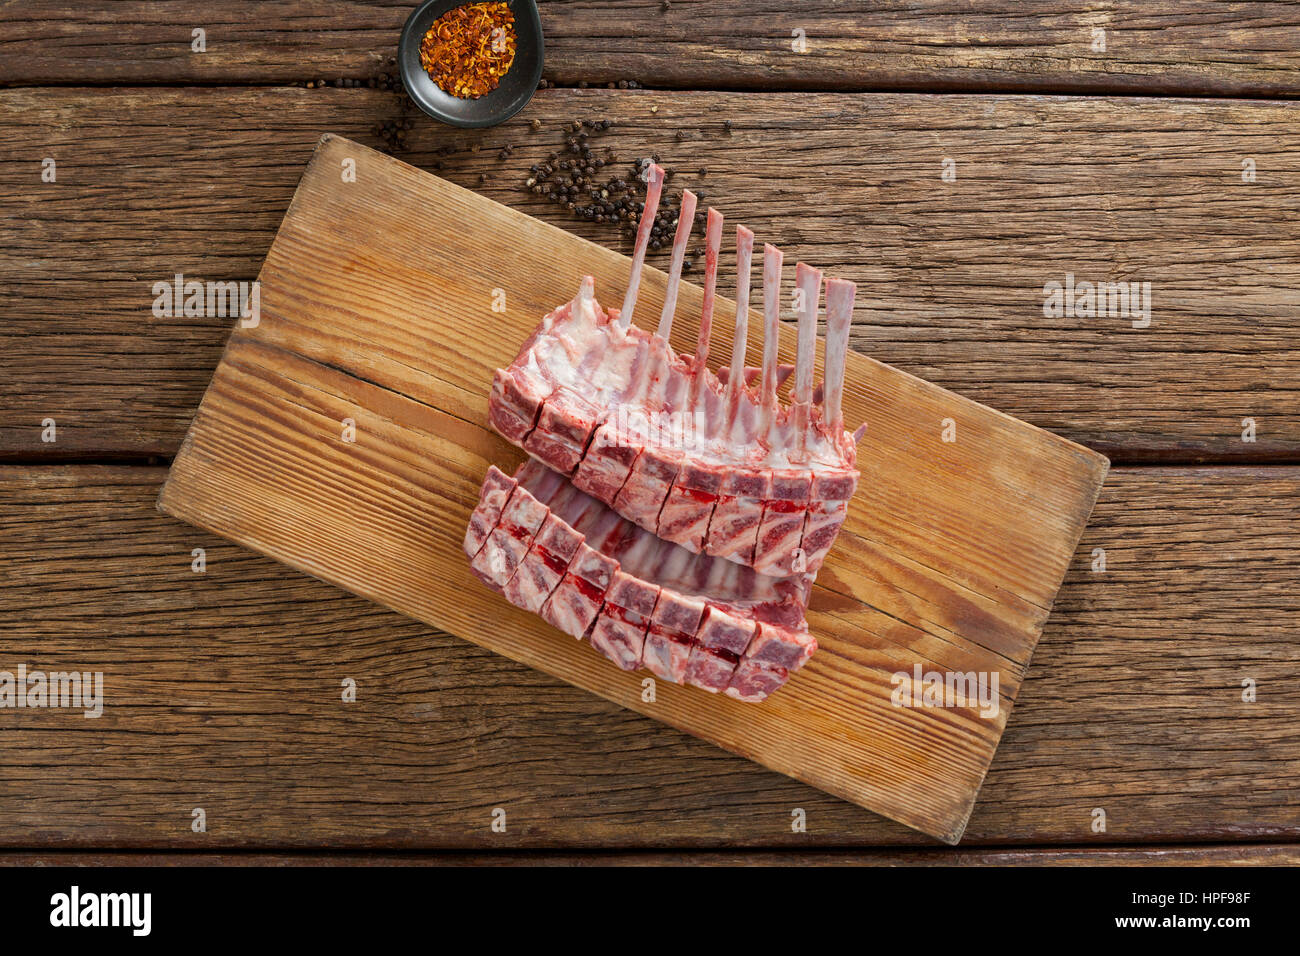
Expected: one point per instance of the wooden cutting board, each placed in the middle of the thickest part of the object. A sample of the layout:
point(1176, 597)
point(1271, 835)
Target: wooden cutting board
point(346, 435)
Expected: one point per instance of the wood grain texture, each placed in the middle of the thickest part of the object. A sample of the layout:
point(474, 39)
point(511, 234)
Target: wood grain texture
point(1164, 751)
point(1284, 854)
point(377, 308)
point(223, 691)
point(1175, 46)
point(951, 275)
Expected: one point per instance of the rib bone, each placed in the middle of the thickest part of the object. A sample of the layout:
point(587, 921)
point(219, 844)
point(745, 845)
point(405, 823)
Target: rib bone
point(736, 374)
point(712, 245)
point(809, 283)
point(840, 294)
point(653, 186)
point(685, 219)
point(771, 330)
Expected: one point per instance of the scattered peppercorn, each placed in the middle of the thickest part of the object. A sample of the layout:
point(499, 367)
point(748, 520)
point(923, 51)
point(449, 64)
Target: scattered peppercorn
point(392, 133)
point(575, 183)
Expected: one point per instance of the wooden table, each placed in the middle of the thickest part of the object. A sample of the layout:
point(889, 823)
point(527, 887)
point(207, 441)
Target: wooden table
point(1124, 142)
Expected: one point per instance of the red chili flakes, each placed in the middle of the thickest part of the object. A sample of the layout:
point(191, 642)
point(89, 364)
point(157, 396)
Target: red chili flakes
point(469, 49)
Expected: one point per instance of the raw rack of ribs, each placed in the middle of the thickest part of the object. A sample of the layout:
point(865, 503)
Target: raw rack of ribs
point(673, 516)
point(640, 600)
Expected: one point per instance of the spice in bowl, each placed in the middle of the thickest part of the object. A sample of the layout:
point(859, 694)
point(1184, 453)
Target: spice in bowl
point(470, 48)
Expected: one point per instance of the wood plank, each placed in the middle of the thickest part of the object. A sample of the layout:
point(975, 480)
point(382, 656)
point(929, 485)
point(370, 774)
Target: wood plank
point(1176, 46)
point(223, 691)
point(154, 182)
point(373, 298)
point(1244, 854)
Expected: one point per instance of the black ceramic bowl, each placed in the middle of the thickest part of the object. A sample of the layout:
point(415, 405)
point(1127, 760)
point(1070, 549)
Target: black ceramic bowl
point(516, 87)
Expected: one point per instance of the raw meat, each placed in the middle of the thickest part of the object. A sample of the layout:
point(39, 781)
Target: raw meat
point(701, 459)
point(638, 599)
point(671, 516)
